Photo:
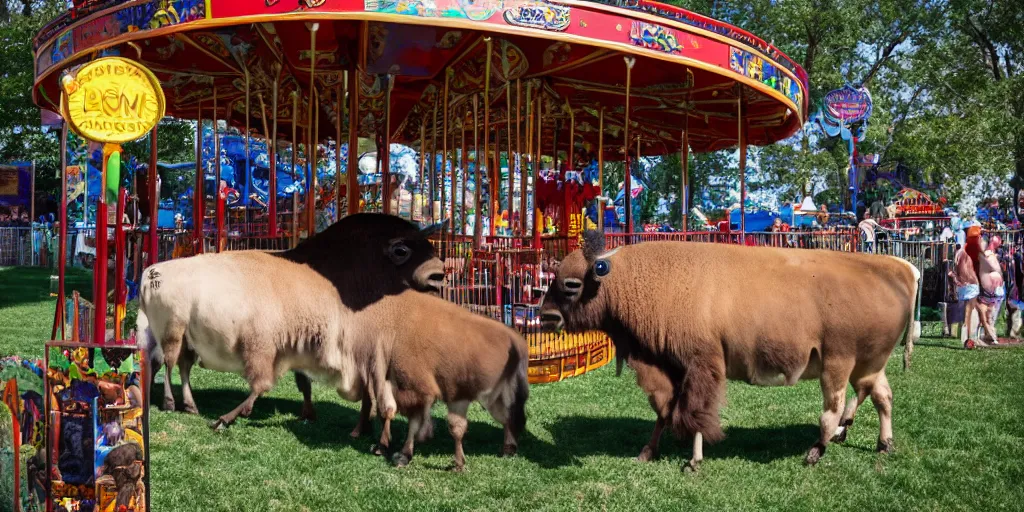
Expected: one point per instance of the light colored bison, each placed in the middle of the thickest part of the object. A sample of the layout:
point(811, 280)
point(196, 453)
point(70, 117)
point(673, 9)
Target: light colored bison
point(262, 314)
point(440, 351)
point(703, 313)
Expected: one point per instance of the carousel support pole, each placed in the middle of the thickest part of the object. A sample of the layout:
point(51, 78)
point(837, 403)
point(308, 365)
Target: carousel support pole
point(628, 185)
point(478, 226)
point(742, 138)
point(423, 168)
point(454, 178)
point(508, 155)
point(314, 155)
point(496, 173)
point(311, 133)
point(386, 154)
point(353, 143)
point(154, 200)
point(538, 220)
point(465, 173)
point(684, 190)
point(600, 169)
point(119, 262)
point(434, 215)
point(266, 134)
point(295, 157)
point(248, 134)
point(62, 235)
point(272, 148)
point(519, 159)
point(198, 196)
point(219, 208)
point(444, 150)
point(99, 293)
point(531, 114)
point(337, 145)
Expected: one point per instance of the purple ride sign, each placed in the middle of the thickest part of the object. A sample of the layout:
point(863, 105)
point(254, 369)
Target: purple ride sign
point(848, 105)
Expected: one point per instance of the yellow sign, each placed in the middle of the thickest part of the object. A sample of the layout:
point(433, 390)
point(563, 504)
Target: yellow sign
point(112, 100)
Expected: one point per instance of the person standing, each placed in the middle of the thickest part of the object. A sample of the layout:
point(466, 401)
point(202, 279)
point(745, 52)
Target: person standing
point(992, 292)
point(867, 228)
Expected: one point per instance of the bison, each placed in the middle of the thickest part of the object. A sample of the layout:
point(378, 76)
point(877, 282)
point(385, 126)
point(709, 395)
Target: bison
point(262, 314)
point(697, 314)
point(440, 351)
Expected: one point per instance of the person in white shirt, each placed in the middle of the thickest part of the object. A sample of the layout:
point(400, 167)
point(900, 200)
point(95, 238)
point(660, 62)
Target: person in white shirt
point(867, 228)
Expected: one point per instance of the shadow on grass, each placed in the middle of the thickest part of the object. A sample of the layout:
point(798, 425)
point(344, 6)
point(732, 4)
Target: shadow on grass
point(579, 436)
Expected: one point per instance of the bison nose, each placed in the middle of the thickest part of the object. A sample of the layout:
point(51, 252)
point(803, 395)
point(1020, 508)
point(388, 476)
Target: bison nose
point(572, 287)
point(435, 281)
point(551, 321)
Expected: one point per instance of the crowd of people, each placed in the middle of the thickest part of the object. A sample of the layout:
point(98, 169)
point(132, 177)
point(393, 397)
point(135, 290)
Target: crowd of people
point(14, 217)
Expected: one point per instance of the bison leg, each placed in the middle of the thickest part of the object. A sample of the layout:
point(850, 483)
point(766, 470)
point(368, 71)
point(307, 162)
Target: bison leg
point(650, 450)
point(833, 390)
point(306, 388)
point(881, 395)
point(698, 454)
point(172, 345)
point(187, 359)
point(363, 423)
point(862, 384)
point(261, 379)
point(457, 425)
point(416, 417)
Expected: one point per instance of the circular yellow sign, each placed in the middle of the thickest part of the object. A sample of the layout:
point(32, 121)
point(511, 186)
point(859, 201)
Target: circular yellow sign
point(112, 100)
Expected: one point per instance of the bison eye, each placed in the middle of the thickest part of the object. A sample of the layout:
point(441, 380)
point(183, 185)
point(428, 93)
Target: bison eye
point(399, 253)
point(602, 268)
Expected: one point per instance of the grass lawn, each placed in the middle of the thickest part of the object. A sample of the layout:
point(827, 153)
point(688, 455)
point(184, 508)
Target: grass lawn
point(956, 416)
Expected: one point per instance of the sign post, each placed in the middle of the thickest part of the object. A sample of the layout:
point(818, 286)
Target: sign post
point(845, 112)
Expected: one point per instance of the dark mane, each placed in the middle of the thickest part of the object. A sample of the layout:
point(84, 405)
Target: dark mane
point(352, 254)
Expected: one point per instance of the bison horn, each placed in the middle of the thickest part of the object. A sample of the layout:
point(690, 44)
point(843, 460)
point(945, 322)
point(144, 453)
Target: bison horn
point(430, 229)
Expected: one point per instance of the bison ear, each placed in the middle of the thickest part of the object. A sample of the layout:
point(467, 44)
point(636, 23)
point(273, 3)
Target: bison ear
point(430, 229)
point(593, 244)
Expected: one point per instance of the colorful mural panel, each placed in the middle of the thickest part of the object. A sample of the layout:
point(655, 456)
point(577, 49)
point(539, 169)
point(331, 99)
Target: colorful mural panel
point(538, 15)
point(756, 68)
point(134, 17)
point(654, 37)
point(476, 10)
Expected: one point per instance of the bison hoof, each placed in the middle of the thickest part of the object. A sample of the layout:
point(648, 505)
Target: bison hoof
point(220, 425)
point(457, 468)
point(378, 450)
point(168, 405)
point(400, 460)
point(691, 466)
point(191, 409)
point(647, 454)
point(885, 446)
point(307, 414)
point(814, 455)
point(509, 450)
point(840, 436)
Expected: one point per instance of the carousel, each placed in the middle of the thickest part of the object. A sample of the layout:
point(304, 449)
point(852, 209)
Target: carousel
point(512, 107)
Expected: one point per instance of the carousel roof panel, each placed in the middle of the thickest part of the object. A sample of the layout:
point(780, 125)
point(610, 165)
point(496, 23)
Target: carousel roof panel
point(690, 72)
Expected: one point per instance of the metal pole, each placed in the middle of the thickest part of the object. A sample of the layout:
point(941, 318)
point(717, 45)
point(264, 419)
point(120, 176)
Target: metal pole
point(337, 151)
point(600, 168)
point(742, 137)
point(248, 135)
point(444, 142)
point(119, 257)
point(520, 169)
point(628, 185)
point(433, 165)
point(198, 196)
point(465, 174)
point(538, 222)
point(478, 226)
point(496, 174)
point(218, 208)
point(508, 153)
point(353, 143)
point(154, 199)
point(295, 153)
point(272, 153)
point(311, 134)
point(62, 236)
point(386, 155)
point(684, 192)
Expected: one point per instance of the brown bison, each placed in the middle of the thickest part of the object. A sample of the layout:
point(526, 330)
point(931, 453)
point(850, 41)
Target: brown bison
point(693, 315)
point(262, 314)
point(440, 351)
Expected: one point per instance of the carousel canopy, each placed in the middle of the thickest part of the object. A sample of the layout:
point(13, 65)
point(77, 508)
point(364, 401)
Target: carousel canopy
point(426, 58)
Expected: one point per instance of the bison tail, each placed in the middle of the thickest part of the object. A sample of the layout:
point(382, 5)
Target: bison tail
point(913, 330)
point(696, 406)
point(517, 410)
point(153, 353)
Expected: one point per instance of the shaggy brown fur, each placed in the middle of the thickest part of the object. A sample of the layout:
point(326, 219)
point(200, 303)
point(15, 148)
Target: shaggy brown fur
point(703, 313)
point(262, 314)
point(441, 351)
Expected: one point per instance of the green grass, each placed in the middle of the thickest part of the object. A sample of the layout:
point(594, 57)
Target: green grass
point(957, 421)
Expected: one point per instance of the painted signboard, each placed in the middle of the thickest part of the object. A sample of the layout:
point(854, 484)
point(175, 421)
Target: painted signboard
point(848, 105)
point(112, 100)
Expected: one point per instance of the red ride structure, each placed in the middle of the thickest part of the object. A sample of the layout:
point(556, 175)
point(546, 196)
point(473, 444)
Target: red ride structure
point(522, 81)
